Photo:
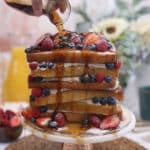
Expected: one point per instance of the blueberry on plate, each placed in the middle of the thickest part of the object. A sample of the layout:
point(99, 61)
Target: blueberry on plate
point(95, 100)
point(108, 79)
point(46, 92)
point(103, 101)
point(33, 120)
point(53, 124)
point(111, 100)
point(43, 109)
point(110, 65)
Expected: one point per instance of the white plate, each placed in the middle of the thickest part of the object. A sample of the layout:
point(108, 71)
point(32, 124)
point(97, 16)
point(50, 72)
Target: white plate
point(93, 135)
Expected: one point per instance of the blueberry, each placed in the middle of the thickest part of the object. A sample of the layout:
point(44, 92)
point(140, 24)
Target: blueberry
point(79, 46)
point(84, 79)
point(109, 46)
point(53, 124)
point(92, 47)
point(111, 100)
point(28, 50)
point(108, 79)
point(92, 78)
point(43, 65)
point(85, 122)
point(32, 98)
point(103, 101)
point(43, 109)
point(50, 65)
point(46, 92)
point(37, 79)
point(58, 46)
point(33, 120)
point(95, 100)
point(64, 38)
point(71, 45)
point(110, 65)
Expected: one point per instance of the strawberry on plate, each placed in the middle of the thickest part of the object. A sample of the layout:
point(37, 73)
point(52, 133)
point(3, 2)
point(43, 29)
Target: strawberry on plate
point(110, 122)
point(42, 122)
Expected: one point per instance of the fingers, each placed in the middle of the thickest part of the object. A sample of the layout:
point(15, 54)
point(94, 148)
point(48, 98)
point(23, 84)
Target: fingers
point(37, 7)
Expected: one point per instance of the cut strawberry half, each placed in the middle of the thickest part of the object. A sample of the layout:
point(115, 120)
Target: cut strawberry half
point(117, 64)
point(42, 122)
point(15, 121)
point(101, 45)
point(27, 114)
point(35, 112)
point(110, 122)
point(90, 39)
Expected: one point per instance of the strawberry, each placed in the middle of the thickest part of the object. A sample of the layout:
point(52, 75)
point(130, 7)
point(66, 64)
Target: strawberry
point(47, 44)
point(90, 39)
point(101, 45)
point(117, 64)
point(10, 113)
point(33, 65)
point(27, 114)
point(100, 77)
point(60, 119)
point(110, 122)
point(37, 92)
point(94, 121)
point(15, 121)
point(42, 122)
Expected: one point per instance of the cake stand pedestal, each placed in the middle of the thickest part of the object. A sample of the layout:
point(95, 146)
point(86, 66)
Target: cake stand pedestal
point(91, 136)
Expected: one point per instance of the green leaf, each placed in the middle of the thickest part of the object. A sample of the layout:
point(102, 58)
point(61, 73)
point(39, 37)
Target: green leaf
point(144, 10)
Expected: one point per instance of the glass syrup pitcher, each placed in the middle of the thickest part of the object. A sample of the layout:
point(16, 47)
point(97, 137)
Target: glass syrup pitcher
point(43, 7)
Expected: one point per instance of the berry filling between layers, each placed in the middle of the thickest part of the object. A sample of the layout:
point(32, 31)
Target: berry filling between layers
point(72, 40)
point(43, 119)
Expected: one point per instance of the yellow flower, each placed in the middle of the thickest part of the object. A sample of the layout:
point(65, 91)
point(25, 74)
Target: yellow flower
point(111, 27)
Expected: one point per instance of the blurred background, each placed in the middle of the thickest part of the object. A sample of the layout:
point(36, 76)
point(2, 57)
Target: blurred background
point(124, 22)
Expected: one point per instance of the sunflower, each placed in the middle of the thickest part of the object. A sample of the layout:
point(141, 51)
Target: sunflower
point(112, 28)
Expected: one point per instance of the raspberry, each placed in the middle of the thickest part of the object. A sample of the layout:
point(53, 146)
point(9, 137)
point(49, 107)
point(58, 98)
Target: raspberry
point(33, 65)
point(117, 64)
point(100, 77)
point(47, 44)
point(36, 92)
point(35, 112)
point(94, 121)
point(60, 119)
point(101, 45)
